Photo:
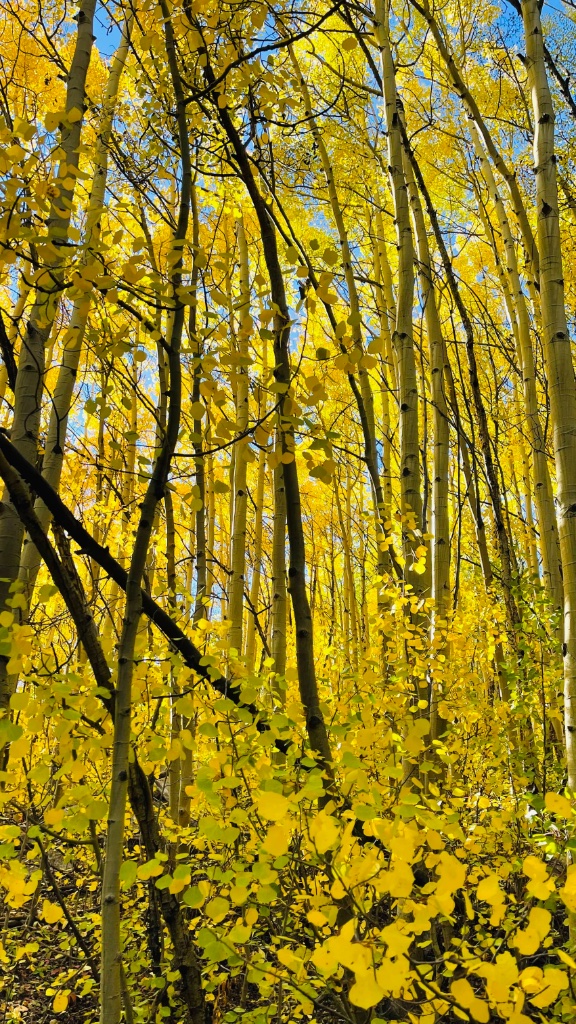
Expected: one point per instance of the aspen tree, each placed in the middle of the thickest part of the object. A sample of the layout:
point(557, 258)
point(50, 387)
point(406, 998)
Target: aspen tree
point(521, 324)
point(72, 344)
point(355, 318)
point(201, 581)
point(365, 398)
point(110, 977)
point(473, 110)
point(440, 544)
point(502, 533)
point(403, 340)
point(556, 340)
point(387, 372)
point(240, 496)
point(255, 582)
point(315, 723)
point(278, 580)
point(13, 329)
point(48, 287)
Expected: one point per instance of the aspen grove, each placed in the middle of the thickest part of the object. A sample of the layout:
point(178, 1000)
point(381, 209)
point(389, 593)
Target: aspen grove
point(288, 511)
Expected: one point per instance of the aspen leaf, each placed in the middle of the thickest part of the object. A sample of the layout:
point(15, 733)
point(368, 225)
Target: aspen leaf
point(197, 410)
point(217, 908)
point(465, 996)
point(277, 840)
point(324, 832)
point(193, 897)
point(52, 119)
point(499, 977)
point(128, 872)
point(316, 918)
point(51, 912)
point(527, 940)
point(366, 992)
point(60, 1002)
point(324, 959)
point(97, 809)
point(272, 806)
point(558, 804)
point(566, 958)
point(543, 986)
point(350, 43)
point(568, 891)
point(540, 885)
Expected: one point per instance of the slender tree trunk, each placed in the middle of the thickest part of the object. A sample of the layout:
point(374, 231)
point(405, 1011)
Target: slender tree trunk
point(438, 360)
point(110, 990)
point(502, 535)
point(240, 495)
point(74, 337)
point(366, 405)
point(559, 364)
point(298, 590)
point(257, 562)
point(521, 324)
point(48, 289)
point(278, 615)
point(403, 340)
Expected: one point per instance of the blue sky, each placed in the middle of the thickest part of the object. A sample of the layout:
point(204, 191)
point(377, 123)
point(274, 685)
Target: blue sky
point(106, 32)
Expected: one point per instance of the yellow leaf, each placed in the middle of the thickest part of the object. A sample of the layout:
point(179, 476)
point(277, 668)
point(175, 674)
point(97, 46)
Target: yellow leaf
point(566, 958)
point(568, 891)
point(366, 991)
point(499, 977)
point(324, 832)
point(558, 804)
point(51, 912)
point(543, 987)
point(465, 996)
point(540, 885)
point(528, 939)
point(60, 1002)
point(317, 918)
point(217, 908)
point(325, 959)
point(277, 840)
point(53, 817)
point(272, 806)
